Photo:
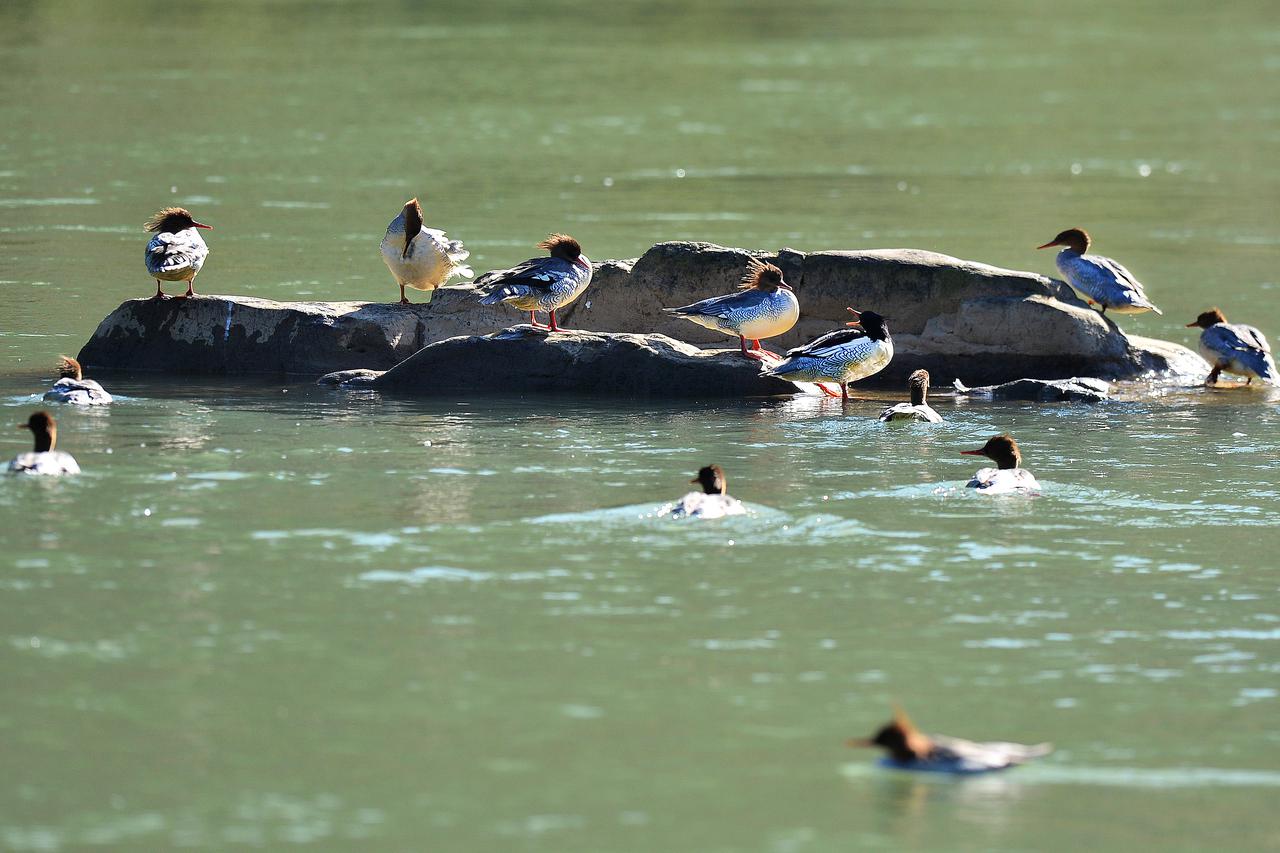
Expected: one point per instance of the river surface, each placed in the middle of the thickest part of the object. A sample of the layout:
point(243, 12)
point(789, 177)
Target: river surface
point(270, 614)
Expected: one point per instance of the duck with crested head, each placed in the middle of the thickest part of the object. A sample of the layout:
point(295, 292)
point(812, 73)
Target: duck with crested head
point(540, 284)
point(909, 748)
point(918, 409)
point(713, 501)
point(764, 306)
point(1234, 348)
point(1008, 477)
point(44, 459)
point(842, 356)
point(1099, 280)
point(177, 251)
point(421, 257)
point(73, 388)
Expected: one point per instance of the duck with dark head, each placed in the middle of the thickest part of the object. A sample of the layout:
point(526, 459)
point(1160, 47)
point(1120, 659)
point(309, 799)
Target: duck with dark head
point(763, 307)
point(840, 357)
point(45, 459)
point(420, 257)
point(712, 502)
point(1234, 348)
point(909, 748)
point(1008, 477)
point(1099, 280)
point(177, 251)
point(918, 409)
point(540, 284)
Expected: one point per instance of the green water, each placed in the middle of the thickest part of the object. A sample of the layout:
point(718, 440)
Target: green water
point(270, 614)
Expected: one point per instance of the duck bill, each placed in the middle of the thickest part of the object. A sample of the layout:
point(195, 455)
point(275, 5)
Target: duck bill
point(786, 286)
point(195, 224)
point(971, 452)
point(1049, 245)
point(1192, 325)
point(857, 318)
point(859, 742)
point(584, 263)
point(22, 426)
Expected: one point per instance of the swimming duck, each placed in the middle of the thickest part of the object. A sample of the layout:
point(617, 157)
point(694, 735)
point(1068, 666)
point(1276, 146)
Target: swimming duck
point(1098, 279)
point(842, 356)
point(918, 409)
point(421, 257)
point(1234, 348)
point(911, 749)
point(1008, 476)
point(764, 306)
point(540, 284)
point(713, 501)
point(177, 252)
point(73, 388)
point(44, 459)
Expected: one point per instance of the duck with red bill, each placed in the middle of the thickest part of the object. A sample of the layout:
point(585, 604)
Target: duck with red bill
point(1008, 477)
point(909, 748)
point(1099, 280)
point(843, 356)
point(177, 251)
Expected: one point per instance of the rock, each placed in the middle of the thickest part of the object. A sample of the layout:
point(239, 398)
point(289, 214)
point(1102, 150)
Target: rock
point(1076, 389)
point(359, 378)
point(524, 359)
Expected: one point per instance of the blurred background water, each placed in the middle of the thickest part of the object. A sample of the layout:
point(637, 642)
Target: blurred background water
point(270, 613)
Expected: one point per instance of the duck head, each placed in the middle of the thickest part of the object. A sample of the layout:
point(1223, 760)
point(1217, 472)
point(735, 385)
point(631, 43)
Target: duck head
point(762, 276)
point(900, 737)
point(69, 368)
point(870, 322)
point(1208, 318)
point(918, 384)
point(1001, 449)
point(412, 224)
point(712, 480)
point(566, 248)
point(45, 430)
point(170, 220)
point(1072, 238)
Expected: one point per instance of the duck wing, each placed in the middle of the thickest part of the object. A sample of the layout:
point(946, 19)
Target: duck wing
point(827, 344)
point(536, 275)
point(170, 252)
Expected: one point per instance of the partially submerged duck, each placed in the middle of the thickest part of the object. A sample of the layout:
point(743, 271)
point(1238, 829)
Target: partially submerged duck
point(1008, 476)
point(420, 257)
point(764, 307)
point(842, 356)
point(1099, 280)
point(540, 284)
point(73, 388)
point(1234, 348)
point(911, 749)
point(713, 501)
point(177, 251)
point(918, 409)
point(44, 459)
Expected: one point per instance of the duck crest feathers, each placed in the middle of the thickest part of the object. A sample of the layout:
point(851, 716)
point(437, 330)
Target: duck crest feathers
point(69, 368)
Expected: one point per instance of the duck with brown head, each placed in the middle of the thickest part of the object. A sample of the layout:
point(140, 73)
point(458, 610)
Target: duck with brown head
point(44, 459)
point(911, 749)
point(540, 284)
point(1234, 348)
point(763, 307)
point(1099, 280)
point(918, 409)
point(712, 502)
point(177, 251)
point(420, 257)
point(1008, 477)
point(840, 357)
point(73, 388)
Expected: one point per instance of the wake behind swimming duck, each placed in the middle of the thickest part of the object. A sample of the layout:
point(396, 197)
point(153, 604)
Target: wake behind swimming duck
point(911, 749)
point(713, 501)
point(918, 409)
point(420, 257)
point(1008, 477)
point(1098, 279)
point(1234, 348)
point(73, 388)
point(842, 356)
point(540, 284)
point(177, 251)
point(764, 307)
point(44, 460)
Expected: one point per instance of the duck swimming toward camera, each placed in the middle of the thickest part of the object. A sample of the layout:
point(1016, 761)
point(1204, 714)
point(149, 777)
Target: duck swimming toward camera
point(1008, 477)
point(764, 307)
point(421, 257)
point(540, 284)
point(177, 251)
point(1099, 280)
point(713, 501)
point(73, 388)
point(44, 460)
point(911, 749)
point(1234, 348)
point(918, 409)
point(842, 356)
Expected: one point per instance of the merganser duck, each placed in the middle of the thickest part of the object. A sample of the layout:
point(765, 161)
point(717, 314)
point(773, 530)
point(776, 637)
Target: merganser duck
point(713, 501)
point(540, 284)
point(177, 252)
point(842, 356)
point(73, 388)
point(44, 459)
point(911, 749)
point(1098, 279)
point(421, 257)
point(918, 409)
point(764, 306)
point(1234, 348)
point(1008, 476)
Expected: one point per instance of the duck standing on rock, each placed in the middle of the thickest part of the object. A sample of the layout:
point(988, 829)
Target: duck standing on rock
point(1099, 280)
point(540, 284)
point(1008, 477)
point(1234, 348)
point(44, 460)
point(176, 252)
point(764, 306)
point(911, 749)
point(918, 409)
point(420, 257)
point(842, 356)
point(73, 388)
point(713, 501)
